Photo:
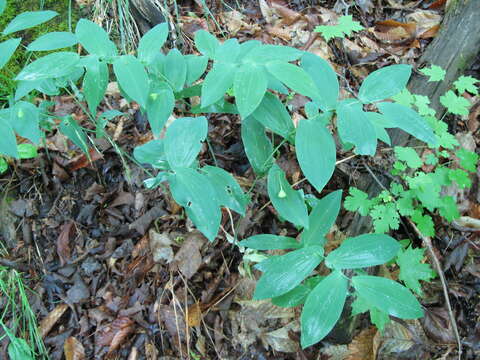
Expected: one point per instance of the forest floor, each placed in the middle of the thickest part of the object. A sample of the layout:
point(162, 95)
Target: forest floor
point(117, 270)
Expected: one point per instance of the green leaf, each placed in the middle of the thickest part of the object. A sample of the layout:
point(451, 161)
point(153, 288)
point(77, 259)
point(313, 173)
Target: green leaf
point(206, 43)
point(324, 78)
point(434, 73)
point(316, 152)
point(266, 53)
point(28, 19)
point(279, 278)
point(385, 217)
point(196, 194)
point(424, 223)
point(151, 43)
point(229, 193)
point(272, 114)
point(358, 200)
point(183, 141)
point(468, 159)
point(53, 41)
point(412, 269)
point(25, 119)
point(270, 242)
point(53, 65)
point(27, 151)
point(74, 132)
point(294, 77)
point(176, 69)
point(380, 123)
point(330, 31)
point(409, 121)
point(322, 218)
point(409, 156)
point(384, 83)
point(388, 296)
point(133, 78)
point(94, 39)
point(363, 251)
point(457, 105)
point(102, 121)
point(355, 127)
point(7, 48)
point(257, 145)
point(228, 52)
point(217, 82)
point(460, 177)
point(466, 83)
point(3, 164)
point(160, 105)
point(152, 153)
point(19, 349)
point(323, 308)
point(249, 86)
point(294, 297)
point(196, 66)
point(95, 82)
point(348, 25)
point(3, 5)
point(377, 317)
point(8, 141)
point(288, 202)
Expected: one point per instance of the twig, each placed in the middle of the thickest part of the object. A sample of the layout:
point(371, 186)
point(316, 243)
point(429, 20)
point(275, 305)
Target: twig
point(427, 241)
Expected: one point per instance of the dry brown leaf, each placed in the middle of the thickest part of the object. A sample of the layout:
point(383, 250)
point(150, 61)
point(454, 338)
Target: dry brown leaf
point(63, 242)
point(361, 347)
point(73, 349)
point(194, 315)
point(424, 19)
point(115, 333)
point(51, 319)
point(287, 15)
point(82, 160)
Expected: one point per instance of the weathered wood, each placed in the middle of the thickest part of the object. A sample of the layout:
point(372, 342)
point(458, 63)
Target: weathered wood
point(146, 13)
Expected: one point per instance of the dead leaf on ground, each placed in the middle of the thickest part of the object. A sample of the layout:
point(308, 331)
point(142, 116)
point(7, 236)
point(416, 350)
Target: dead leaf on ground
point(438, 326)
point(279, 339)
point(51, 319)
point(82, 160)
point(161, 247)
point(188, 259)
point(73, 349)
point(397, 339)
point(194, 315)
point(361, 347)
point(63, 242)
point(114, 334)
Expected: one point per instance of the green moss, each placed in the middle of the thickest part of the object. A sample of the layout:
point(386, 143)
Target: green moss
point(21, 57)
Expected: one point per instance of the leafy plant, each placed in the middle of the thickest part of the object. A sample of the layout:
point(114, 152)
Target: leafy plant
point(345, 27)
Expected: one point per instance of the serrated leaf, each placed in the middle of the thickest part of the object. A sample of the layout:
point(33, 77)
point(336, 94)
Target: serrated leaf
point(258, 146)
point(7, 48)
point(160, 105)
point(175, 69)
point(272, 114)
point(25, 120)
point(460, 177)
point(434, 73)
point(322, 218)
point(409, 121)
point(358, 200)
point(329, 31)
point(355, 127)
point(152, 153)
point(466, 83)
point(249, 86)
point(279, 278)
point(412, 269)
point(316, 152)
point(288, 202)
point(384, 83)
point(95, 82)
point(388, 296)
point(94, 39)
point(294, 77)
point(70, 128)
point(457, 105)
point(468, 159)
point(53, 65)
point(448, 209)
point(197, 195)
point(424, 223)
point(133, 78)
point(377, 317)
point(196, 66)
point(53, 41)
point(270, 242)
point(323, 308)
point(363, 251)
point(151, 43)
point(28, 19)
point(348, 25)
point(385, 217)
point(217, 82)
point(409, 156)
point(229, 193)
point(206, 43)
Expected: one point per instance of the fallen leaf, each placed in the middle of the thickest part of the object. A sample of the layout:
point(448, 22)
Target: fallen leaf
point(115, 333)
point(438, 326)
point(361, 347)
point(63, 242)
point(160, 247)
point(73, 349)
point(188, 259)
point(194, 315)
point(51, 319)
point(82, 160)
point(279, 339)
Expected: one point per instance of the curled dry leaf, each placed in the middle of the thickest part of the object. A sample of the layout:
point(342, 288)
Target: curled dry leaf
point(361, 347)
point(63, 242)
point(114, 334)
point(73, 349)
point(51, 319)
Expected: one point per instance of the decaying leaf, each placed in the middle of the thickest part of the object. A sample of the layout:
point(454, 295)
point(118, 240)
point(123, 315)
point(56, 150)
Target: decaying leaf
point(361, 347)
point(73, 349)
point(114, 334)
point(51, 319)
point(63, 242)
point(194, 315)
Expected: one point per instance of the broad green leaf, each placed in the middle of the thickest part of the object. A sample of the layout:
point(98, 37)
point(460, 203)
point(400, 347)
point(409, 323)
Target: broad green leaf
point(8, 140)
point(45, 86)
point(412, 268)
point(95, 82)
point(229, 193)
point(272, 114)
point(175, 69)
point(377, 317)
point(323, 308)
point(270, 242)
point(152, 153)
point(287, 271)
point(102, 121)
point(384, 83)
point(409, 121)
point(265, 53)
point(324, 78)
point(53, 65)
point(74, 132)
point(249, 86)
point(183, 141)
point(380, 123)
point(217, 82)
point(53, 41)
point(197, 195)
point(228, 52)
point(388, 295)
point(3, 164)
point(196, 66)
point(160, 104)
point(322, 218)
point(294, 297)
point(27, 151)
point(28, 19)
point(7, 48)
point(355, 127)
point(258, 146)
point(3, 5)
point(363, 251)
point(206, 43)
point(247, 47)
point(316, 152)
point(25, 118)
point(94, 39)
point(151, 43)
point(294, 77)
point(19, 349)
point(133, 78)
point(288, 202)
point(276, 85)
